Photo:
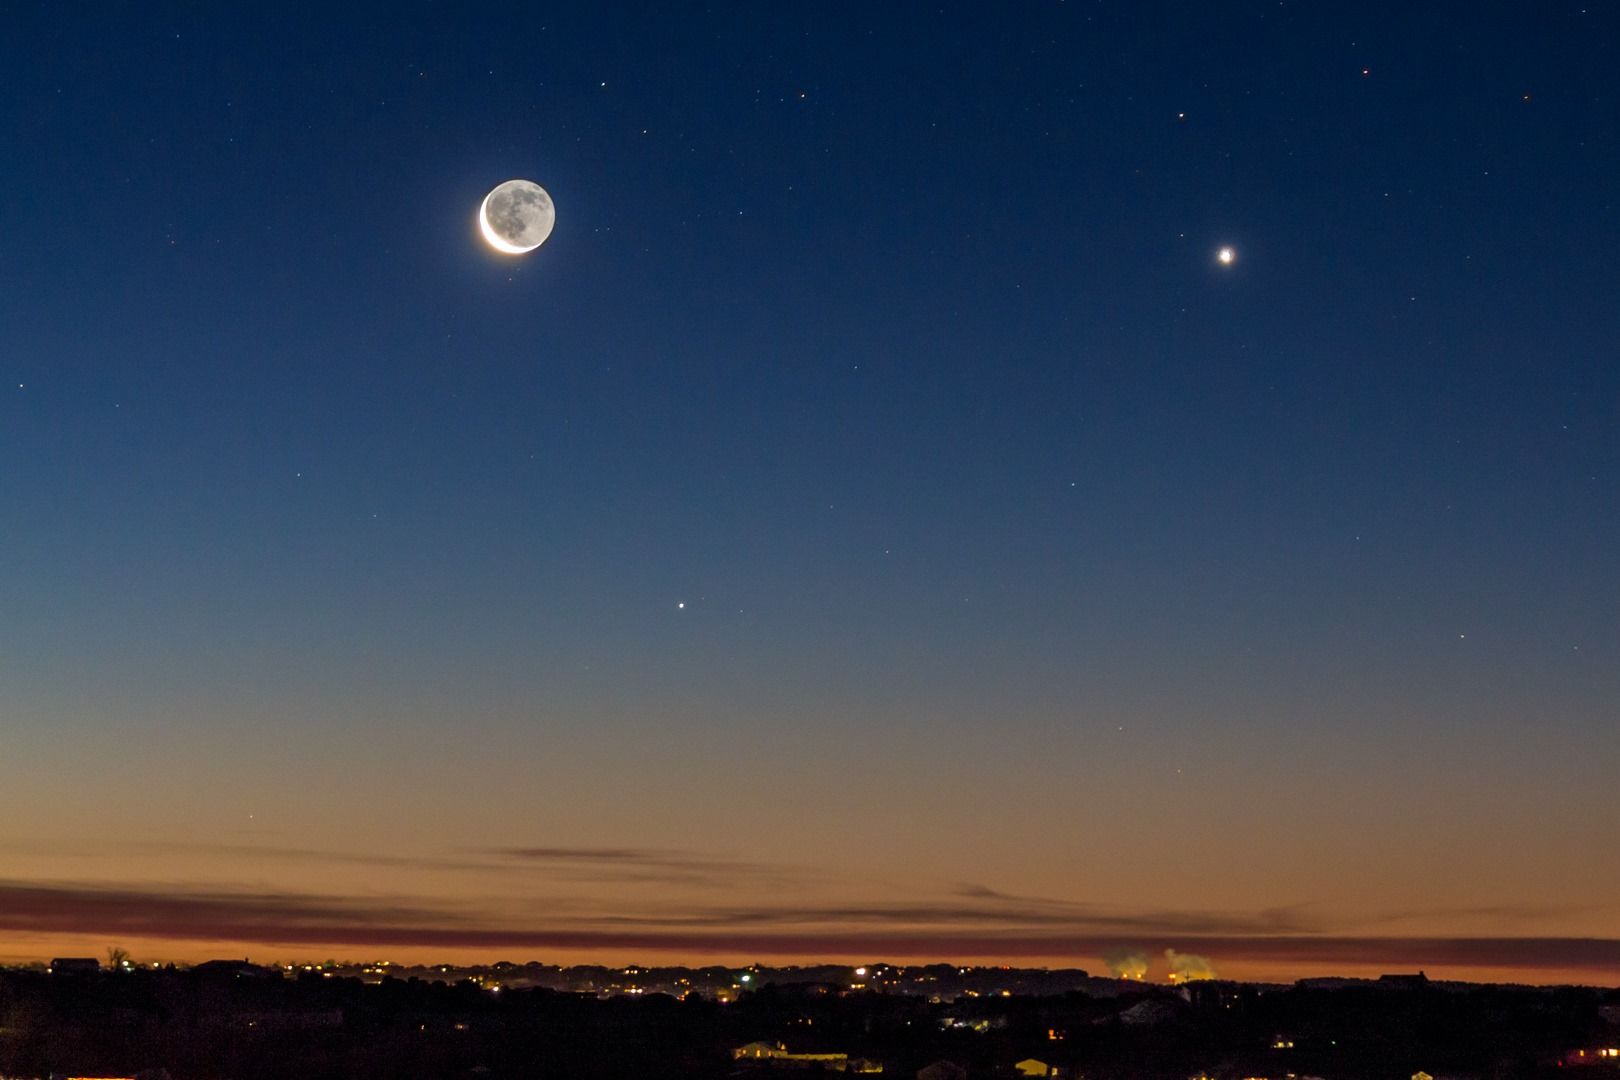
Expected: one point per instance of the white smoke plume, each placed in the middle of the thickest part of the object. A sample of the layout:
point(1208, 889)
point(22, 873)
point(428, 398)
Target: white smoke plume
point(1127, 964)
point(1186, 967)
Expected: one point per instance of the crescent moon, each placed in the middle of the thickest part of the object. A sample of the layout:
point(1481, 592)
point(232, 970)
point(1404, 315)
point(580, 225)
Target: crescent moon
point(490, 235)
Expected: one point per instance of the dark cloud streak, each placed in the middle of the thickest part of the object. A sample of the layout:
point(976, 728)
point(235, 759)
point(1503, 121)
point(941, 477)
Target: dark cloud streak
point(576, 864)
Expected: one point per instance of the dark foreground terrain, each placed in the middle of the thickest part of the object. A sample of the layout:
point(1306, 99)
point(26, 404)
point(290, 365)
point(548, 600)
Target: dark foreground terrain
point(245, 1023)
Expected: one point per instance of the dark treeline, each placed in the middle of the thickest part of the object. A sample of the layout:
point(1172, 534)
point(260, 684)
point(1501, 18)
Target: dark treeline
point(199, 1025)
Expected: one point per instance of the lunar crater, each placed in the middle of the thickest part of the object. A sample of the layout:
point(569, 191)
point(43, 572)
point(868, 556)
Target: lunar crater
point(516, 217)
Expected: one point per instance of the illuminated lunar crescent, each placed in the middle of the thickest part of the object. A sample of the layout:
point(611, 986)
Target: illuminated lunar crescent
point(516, 217)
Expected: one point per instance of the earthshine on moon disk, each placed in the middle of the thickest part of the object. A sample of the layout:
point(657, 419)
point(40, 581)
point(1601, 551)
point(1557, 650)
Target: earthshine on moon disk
point(516, 217)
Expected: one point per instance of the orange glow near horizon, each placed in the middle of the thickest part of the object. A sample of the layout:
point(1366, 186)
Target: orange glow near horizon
point(1235, 967)
point(570, 872)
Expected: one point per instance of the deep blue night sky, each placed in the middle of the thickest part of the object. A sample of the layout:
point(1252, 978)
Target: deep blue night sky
point(888, 340)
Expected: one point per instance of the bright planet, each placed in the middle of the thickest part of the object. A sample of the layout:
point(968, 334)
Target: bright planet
point(516, 217)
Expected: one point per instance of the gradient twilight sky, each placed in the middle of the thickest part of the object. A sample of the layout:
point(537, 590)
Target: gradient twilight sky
point(873, 526)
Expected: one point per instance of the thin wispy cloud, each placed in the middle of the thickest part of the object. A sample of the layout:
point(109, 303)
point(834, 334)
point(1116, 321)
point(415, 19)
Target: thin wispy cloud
point(986, 917)
point(645, 864)
point(568, 864)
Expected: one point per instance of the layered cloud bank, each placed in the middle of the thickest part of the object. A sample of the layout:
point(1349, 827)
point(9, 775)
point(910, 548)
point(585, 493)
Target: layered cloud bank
point(965, 928)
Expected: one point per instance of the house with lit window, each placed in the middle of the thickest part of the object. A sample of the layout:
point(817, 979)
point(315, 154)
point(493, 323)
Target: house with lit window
point(777, 1055)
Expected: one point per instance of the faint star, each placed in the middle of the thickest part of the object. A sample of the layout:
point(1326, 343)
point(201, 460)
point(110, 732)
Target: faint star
point(681, 605)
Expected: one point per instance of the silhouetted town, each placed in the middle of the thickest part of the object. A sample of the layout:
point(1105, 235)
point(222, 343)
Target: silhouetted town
point(235, 1020)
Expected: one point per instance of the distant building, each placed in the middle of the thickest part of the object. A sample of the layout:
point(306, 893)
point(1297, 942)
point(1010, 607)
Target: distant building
point(291, 1020)
point(942, 1070)
point(1212, 993)
point(777, 1055)
point(1594, 1055)
point(1150, 1011)
point(1403, 981)
point(75, 965)
point(757, 1051)
point(234, 969)
point(1033, 1067)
